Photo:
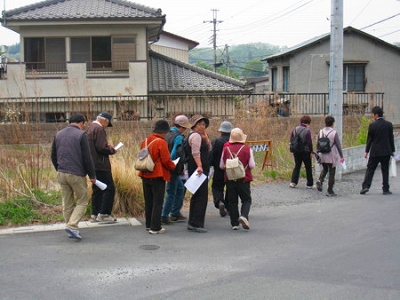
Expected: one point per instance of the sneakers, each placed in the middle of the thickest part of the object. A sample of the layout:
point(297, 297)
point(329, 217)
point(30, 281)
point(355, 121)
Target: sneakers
point(197, 229)
point(318, 184)
point(177, 218)
point(244, 222)
point(364, 191)
point(235, 227)
point(331, 194)
point(162, 230)
point(222, 209)
point(292, 185)
point(387, 193)
point(310, 187)
point(165, 221)
point(106, 219)
point(73, 233)
point(93, 219)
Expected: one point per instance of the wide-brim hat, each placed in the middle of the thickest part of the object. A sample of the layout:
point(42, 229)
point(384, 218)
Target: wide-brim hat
point(182, 121)
point(107, 116)
point(237, 136)
point(225, 126)
point(197, 118)
point(161, 126)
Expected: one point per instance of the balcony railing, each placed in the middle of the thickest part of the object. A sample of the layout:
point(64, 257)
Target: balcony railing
point(60, 68)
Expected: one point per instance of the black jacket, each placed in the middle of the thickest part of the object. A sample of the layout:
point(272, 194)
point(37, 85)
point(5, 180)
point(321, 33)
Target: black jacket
point(380, 140)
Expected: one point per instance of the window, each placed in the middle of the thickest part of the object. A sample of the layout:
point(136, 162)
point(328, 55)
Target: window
point(285, 85)
point(80, 50)
point(353, 77)
point(274, 78)
point(45, 53)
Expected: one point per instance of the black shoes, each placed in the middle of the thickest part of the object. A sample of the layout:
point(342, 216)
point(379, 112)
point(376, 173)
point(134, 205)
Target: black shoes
point(318, 184)
point(197, 229)
point(387, 193)
point(364, 191)
point(222, 210)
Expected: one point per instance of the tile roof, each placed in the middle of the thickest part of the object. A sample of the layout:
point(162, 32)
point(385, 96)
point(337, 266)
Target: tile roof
point(82, 9)
point(318, 39)
point(168, 75)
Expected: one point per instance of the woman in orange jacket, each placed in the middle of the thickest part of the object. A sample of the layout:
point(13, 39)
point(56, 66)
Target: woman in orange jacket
point(154, 182)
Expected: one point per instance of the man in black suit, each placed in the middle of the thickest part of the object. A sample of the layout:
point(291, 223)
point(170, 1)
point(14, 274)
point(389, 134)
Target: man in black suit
point(380, 145)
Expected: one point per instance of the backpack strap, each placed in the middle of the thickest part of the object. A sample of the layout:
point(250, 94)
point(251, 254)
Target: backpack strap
point(237, 153)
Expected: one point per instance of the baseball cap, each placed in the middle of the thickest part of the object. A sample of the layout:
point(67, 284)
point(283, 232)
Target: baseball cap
point(107, 116)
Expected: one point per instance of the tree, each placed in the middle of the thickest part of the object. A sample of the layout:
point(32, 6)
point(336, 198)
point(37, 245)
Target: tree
point(253, 68)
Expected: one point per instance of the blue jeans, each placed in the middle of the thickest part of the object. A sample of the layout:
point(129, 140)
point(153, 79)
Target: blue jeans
point(174, 198)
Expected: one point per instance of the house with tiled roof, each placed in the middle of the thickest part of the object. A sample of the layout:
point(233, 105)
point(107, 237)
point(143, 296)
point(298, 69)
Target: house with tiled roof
point(97, 55)
point(371, 73)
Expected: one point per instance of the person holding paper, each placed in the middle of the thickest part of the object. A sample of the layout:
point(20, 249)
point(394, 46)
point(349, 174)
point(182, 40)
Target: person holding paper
point(173, 201)
point(70, 155)
point(102, 200)
point(154, 182)
point(329, 160)
point(198, 149)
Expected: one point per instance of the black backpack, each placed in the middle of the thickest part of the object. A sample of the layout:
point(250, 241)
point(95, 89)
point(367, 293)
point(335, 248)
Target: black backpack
point(180, 150)
point(296, 142)
point(324, 143)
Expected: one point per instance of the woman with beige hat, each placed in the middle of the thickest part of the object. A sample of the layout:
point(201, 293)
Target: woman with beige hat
point(240, 187)
point(198, 149)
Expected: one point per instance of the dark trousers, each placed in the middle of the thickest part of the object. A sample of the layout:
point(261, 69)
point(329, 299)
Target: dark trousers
point(198, 206)
point(103, 201)
point(217, 188)
point(331, 180)
point(235, 190)
point(300, 158)
point(373, 162)
point(153, 191)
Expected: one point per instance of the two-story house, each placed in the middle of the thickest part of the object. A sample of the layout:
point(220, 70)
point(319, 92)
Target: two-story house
point(93, 55)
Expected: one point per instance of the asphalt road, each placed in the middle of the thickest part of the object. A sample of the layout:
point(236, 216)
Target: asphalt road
point(301, 245)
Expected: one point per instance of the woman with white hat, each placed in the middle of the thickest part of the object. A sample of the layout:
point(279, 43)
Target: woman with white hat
point(239, 187)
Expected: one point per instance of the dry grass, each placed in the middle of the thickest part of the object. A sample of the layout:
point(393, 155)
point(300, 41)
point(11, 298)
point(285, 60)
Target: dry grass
point(24, 169)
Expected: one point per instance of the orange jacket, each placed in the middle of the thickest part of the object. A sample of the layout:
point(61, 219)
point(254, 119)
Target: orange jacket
point(161, 157)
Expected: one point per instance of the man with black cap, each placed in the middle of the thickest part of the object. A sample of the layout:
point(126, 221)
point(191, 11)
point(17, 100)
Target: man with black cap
point(70, 155)
point(218, 182)
point(154, 182)
point(102, 200)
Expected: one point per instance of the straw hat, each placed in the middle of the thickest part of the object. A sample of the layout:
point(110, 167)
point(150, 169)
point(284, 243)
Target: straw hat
point(237, 136)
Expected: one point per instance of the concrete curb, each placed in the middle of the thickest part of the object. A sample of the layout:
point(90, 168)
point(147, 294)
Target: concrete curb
point(61, 226)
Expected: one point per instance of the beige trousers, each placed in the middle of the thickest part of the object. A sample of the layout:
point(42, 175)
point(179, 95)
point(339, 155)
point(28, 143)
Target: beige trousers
point(73, 186)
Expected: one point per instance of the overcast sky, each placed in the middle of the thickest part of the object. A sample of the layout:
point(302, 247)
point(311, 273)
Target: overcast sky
point(277, 22)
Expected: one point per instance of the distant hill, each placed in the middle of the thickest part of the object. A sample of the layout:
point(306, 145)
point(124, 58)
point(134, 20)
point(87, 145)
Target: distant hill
point(243, 60)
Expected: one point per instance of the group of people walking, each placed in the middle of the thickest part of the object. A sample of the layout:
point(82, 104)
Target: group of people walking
point(202, 157)
point(379, 149)
point(77, 153)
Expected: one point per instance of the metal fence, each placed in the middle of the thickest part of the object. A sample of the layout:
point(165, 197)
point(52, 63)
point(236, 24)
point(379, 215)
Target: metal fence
point(127, 108)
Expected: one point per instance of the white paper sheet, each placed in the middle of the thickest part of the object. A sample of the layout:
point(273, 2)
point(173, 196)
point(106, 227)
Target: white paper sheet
point(175, 161)
point(100, 185)
point(194, 182)
point(120, 144)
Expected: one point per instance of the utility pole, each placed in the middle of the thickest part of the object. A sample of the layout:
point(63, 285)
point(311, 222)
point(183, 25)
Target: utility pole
point(228, 60)
point(336, 67)
point(214, 21)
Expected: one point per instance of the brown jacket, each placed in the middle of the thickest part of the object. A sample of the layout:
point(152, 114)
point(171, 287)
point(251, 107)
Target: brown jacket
point(161, 157)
